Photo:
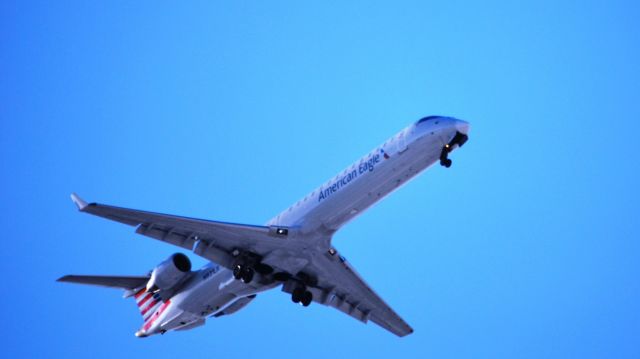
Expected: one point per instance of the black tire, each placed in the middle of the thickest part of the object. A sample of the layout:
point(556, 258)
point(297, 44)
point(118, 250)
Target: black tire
point(237, 272)
point(306, 298)
point(297, 294)
point(247, 275)
point(447, 163)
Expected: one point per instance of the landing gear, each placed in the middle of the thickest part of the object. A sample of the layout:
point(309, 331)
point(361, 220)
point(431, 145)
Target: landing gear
point(247, 265)
point(306, 299)
point(297, 295)
point(444, 157)
point(243, 272)
point(237, 271)
point(247, 274)
point(302, 296)
point(459, 139)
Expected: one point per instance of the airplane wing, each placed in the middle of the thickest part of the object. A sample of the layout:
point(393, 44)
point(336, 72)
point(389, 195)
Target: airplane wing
point(210, 239)
point(341, 287)
point(337, 284)
point(124, 282)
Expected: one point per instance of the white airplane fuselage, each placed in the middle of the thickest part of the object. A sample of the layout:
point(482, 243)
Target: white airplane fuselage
point(213, 290)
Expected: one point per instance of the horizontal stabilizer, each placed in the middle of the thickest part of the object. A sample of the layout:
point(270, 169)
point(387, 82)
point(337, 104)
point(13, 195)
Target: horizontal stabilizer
point(124, 282)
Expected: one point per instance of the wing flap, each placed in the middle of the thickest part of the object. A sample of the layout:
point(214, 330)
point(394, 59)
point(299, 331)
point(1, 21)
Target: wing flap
point(351, 309)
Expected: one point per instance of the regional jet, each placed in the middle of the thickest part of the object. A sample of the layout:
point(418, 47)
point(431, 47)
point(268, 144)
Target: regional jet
point(292, 251)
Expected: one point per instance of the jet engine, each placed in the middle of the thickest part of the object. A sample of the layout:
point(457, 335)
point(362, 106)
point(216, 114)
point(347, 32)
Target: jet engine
point(169, 273)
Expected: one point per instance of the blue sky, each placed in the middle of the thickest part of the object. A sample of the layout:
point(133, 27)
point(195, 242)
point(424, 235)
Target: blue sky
point(527, 247)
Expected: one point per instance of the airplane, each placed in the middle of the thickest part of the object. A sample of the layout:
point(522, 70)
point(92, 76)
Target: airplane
point(293, 250)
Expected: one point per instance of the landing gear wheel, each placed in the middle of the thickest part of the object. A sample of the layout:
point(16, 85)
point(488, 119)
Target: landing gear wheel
point(237, 272)
point(247, 274)
point(444, 157)
point(297, 295)
point(306, 299)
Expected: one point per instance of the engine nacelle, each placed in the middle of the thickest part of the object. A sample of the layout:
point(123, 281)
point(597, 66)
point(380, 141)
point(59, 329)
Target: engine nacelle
point(169, 273)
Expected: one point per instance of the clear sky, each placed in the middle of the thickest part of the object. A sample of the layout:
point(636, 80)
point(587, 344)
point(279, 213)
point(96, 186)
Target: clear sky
point(526, 248)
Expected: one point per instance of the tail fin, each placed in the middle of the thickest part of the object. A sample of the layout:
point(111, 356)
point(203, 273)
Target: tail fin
point(148, 303)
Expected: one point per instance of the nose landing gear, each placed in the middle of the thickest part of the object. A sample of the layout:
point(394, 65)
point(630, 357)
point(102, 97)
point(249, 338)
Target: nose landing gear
point(459, 139)
point(444, 157)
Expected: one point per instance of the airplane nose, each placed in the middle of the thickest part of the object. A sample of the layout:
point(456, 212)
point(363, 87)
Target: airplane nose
point(462, 126)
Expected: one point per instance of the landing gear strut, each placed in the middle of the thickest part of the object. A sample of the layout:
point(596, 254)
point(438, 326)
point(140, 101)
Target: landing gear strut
point(301, 295)
point(444, 159)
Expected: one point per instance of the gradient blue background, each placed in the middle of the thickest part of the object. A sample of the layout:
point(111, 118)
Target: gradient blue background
point(526, 248)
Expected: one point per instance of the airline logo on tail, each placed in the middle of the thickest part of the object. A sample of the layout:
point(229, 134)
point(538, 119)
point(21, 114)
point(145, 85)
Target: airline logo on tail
point(151, 306)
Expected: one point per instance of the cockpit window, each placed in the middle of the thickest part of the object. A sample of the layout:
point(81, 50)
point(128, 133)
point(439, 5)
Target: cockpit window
point(428, 118)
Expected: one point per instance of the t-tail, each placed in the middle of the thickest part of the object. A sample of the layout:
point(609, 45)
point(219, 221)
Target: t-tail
point(152, 292)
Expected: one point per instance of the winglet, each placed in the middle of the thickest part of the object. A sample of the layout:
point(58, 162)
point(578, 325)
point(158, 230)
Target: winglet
point(79, 202)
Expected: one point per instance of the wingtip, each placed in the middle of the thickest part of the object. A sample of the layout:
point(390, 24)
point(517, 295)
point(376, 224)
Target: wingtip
point(79, 202)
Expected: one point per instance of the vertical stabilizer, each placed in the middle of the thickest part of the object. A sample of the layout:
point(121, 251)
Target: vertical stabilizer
point(148, 303)
point(151, 306)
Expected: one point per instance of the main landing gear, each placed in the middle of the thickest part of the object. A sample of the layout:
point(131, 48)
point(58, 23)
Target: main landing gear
point(246, 268)
point(459, 139)
point(243, 272)
point(301, 295)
